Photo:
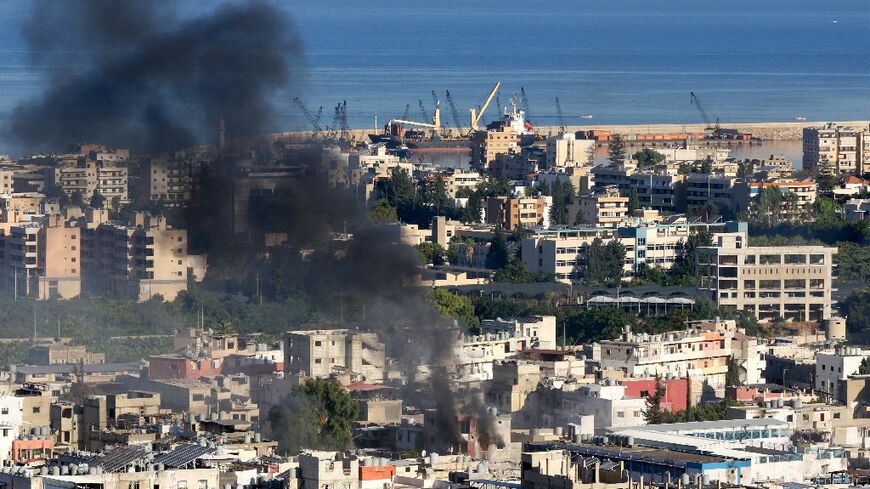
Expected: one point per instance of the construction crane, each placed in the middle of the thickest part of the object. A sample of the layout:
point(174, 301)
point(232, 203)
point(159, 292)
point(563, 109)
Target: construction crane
point(710, 130)
point(476, 115)
point(312, 119)
point(435, 125)
point(453, 111)
point(561, 117)
point(525, 102)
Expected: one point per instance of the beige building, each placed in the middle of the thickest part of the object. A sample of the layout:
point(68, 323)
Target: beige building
point(41, 259)
point(606, 208)
point(846, 149)
point(320, 353)
point(138, 261)
point(458, 180)
point(566, 150)
point(510, 213)
point(791, 282)
point(24, 203)
point(55, 353)
point(85, 176)
point(485, 145)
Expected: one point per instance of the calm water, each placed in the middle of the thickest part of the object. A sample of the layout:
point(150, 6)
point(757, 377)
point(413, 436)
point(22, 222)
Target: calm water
point(621, 61)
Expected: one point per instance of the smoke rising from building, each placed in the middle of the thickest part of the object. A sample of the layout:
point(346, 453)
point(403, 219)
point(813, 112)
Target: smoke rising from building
point(152, 82)
point(136, 75)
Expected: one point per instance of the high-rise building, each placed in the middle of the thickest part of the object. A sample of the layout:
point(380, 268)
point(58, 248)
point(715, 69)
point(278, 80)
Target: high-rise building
point(842, 149)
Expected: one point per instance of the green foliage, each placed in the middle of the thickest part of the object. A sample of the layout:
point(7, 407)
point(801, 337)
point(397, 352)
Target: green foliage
point(732, 376)
point(604, 262)
point(633, 200)
point(497, 256)
point(563, 193)
point(515, 271)
point(431, 253)
point(417, 204)
point(455, 307)
point(383, 212)
point(14, 352)
point(712, 411)
point(616, 149)
point(648, 157)
point(857, 310)
point(318, 415)
point(826, 210)
point(685, 271)
point(97, 200)
point(654, 413)
point(864, 368)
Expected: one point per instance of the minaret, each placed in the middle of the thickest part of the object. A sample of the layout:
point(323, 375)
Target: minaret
point(221, 133)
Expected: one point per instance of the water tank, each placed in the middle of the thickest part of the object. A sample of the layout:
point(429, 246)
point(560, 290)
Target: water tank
point(55, 471)
point(43, 471)
point(433, 459)
point(64, 470)
point(706, 480)
point(835, 329)
point(558, 431)
point(258, 437)
point(629, 441)
point(798, 402)
point(247, 438)
point(536, 431)
point(684, 479)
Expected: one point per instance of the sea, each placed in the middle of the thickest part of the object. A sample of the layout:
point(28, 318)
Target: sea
point(618, 61)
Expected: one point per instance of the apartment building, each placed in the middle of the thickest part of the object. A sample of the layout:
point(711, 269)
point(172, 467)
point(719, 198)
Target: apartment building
point(485, 145)
point(578, 176)
point(61, 353)
point(541, 329)
point(566, 150)
point(457, 180)
point(694, 352)
point(835, 367)
point(85, 177)
point(7, 179)
point(605, 208)
point(320, 353)
point(516, 166)
point(24, 203)
point(662, 192)
point(139, 260)
point(512, 212)
point(41, 259)
point(563, 252)
point(805, 190)
point(171, 180)
point(845, 149)
point(710, 191)
point(791, 282)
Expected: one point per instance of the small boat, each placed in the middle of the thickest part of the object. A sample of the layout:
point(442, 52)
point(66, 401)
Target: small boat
point(800, 118)
point(586, 116)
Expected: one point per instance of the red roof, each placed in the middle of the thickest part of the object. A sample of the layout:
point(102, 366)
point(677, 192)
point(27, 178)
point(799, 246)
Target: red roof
point(854, 180)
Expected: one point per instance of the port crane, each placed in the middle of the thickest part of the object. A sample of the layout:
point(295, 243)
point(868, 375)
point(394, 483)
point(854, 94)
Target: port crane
point(525, 102)
point(561, 117)
point(422, 109)
point(435, 125)
point(477, 115)
point(407, 113)
point(713, 130)
point(312, 119)
point(453, 111)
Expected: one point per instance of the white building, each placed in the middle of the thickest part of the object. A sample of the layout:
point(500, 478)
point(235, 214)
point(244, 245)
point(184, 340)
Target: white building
point(540, 329)
point(831, 368)
point(607, 403)
point(10, 424)
point(566, 150)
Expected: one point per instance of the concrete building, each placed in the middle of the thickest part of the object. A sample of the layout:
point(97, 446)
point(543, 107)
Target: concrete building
point(485, 145)
point(605, 208)
point(170, 180)
point(695, 352)
point(608, 403)
point(138, 260)
point(86, 176)
point(804, 190)
point(458, 180)
point(328, 470)
point(792, 282)
point(834, 367)
point(510, 212)
point(712, 192)
point(56, 353)
point(563, 252)
point(566, 150)
point(320, 353)
point(41, 259)
point(845, 149)
point(542, 329)
point(663, 192)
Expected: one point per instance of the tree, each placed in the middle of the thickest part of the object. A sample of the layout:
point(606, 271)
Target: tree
point(516, 272)
point(825, 179)
point(604, 262)
point(616, 151)
point(647, 157)
point(76, 199)
point(654, 413)
point(864, 368)
point(732, 376)
point(633, 201)
point(455, 307)
point(318, 414)
point(97, 200)
point(826, 210)
point(706, 166)
point(431, 253)
point(685, 270)
point(766, 208)
point(497, 256)
point(383, 212)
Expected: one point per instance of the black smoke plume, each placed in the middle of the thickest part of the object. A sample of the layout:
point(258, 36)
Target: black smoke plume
point(129, 73)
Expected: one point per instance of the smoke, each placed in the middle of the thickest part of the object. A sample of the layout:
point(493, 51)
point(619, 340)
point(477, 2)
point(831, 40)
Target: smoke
point(134, 74)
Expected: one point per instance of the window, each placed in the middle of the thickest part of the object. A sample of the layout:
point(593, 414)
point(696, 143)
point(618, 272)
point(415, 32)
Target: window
point(4, 411)
point(36, 409)
point(620, 414)
point(316, 343)
point(318, 360)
